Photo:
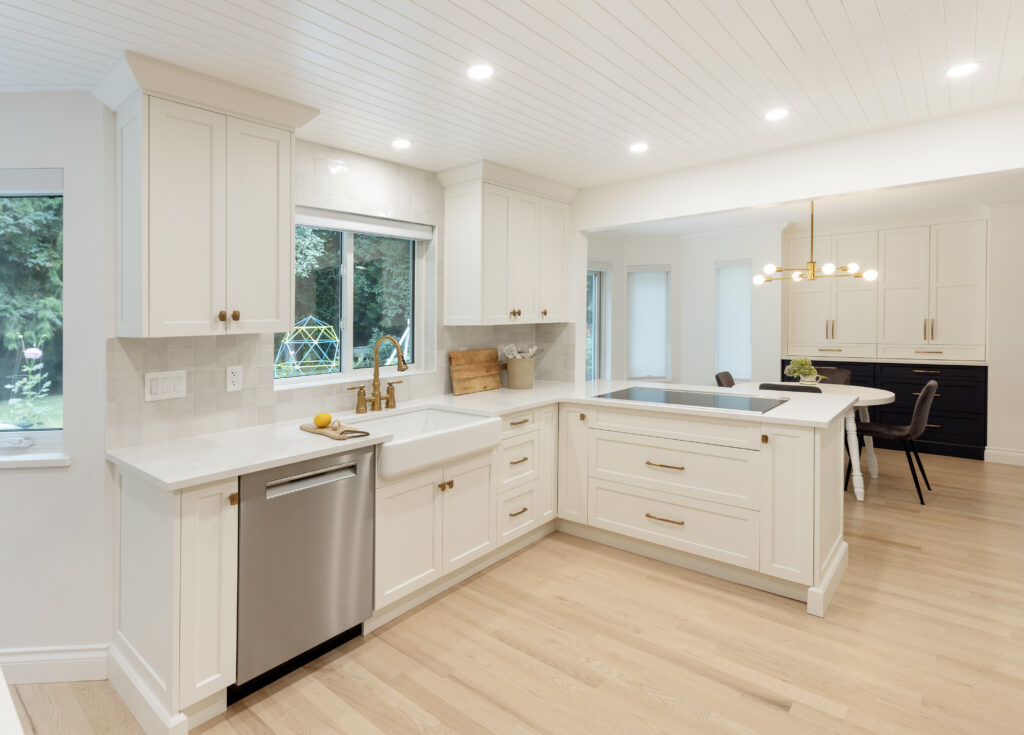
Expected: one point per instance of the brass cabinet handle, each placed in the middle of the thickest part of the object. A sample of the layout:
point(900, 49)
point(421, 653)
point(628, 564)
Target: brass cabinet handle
point(441, 486)
point(764, 438)
point(519, 461)
point(930, 372)
point(451, 484)
point(933, 330)
point(543, 312)
point(665, 520)
point(518, 512)
point(833, 329)
point(519, 312)
point(583, 417)
point(233, 498)
point(830, 349)
point(222, 315)
point(826, 329)
point(666, 466)
point(520, 422)
point(937, 395)
point(933, 426)
point(927, 352)
point(236, 315)
point(925, 335)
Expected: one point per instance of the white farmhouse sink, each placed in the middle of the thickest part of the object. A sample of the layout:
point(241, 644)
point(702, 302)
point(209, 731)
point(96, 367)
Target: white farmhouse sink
point(429, 437)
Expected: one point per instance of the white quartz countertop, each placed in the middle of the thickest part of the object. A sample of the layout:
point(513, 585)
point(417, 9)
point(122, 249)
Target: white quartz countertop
point(181, 463)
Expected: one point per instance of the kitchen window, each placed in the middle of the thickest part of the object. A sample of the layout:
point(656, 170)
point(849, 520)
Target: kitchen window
point(356, 279)
point(31, 307)
point(647, 295)
point(594, 357)
point(732, 319)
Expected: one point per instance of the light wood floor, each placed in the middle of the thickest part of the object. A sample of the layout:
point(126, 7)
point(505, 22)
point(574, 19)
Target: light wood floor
point(926, 635)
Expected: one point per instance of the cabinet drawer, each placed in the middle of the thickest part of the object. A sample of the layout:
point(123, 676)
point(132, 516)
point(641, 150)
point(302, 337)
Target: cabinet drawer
point(967, 429)
point(705, 430)
point(713, 530)
point(517, 423)
point(518, 458)
point(861, 373)
point(704, 471)
point(931, 352)
point(951, 396)
point(517, 512)
point(829, 350)
point(941, 373)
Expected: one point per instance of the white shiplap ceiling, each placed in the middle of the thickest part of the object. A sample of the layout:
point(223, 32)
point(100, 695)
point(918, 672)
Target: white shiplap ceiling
point(576, 81)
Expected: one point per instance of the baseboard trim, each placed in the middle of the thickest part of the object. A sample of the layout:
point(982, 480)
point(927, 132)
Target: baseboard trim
point(151, 714)
point(820, 597)
point(51, 664)
point(1005, 456)
point(400, 607)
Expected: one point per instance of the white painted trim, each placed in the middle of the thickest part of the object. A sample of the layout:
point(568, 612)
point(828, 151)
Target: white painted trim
point(495, 173)
point(9, 720)
point(682, 559)
point(400, 607)
point(1005, 456)
point(154, 718)
point(327, 219)
point(206, 709)
point(50, 664)
point(29, 460)
point(820, 597)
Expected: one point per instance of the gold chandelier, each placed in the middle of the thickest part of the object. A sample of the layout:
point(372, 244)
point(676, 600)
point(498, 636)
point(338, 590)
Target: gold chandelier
point(810, 272)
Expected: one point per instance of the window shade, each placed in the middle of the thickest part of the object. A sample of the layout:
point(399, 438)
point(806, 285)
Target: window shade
point(326, 219)
point(648, 323)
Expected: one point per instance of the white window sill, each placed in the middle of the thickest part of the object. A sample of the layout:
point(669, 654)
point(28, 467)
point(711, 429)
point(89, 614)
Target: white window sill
point(19, 460)
point(356, 377)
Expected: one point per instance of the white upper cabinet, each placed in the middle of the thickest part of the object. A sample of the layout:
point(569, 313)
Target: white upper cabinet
point(205, 225)
point(833, 316)
point(933, 292)
point(506, 254)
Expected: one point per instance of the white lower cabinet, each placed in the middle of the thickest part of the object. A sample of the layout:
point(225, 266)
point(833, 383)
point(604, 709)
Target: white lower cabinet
point(430, 524)
point(518, 512)
point(572, 464)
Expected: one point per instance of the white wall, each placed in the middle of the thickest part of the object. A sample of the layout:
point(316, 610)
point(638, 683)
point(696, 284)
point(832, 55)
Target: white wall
point(55, 569)
point(1006, 335)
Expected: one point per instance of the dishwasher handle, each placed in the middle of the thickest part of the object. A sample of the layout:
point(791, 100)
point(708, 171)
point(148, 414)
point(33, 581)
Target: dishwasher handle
point(309, 480)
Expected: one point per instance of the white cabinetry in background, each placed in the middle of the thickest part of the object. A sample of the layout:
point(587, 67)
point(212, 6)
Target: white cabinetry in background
point(833, 316)
point(205, 242)
point(506, 255)
point(431, 524)
point(932, 292)
point(572, 463)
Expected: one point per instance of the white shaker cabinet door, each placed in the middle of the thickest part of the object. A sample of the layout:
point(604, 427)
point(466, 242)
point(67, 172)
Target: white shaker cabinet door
point(855, 301)
point(522, 257)
point(209, 590)
point(468, 512)
point(259, 228)
point(808, 301)
point(787, 503)
point(572, 464)
point(903, 286)
point(497, 226)
point(407, 537)
point(552, 301)
point(958, 283)
point(547, 488)
point(187, 206)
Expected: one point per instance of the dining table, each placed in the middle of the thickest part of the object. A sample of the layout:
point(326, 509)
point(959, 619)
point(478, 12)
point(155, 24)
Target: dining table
point(866, 397)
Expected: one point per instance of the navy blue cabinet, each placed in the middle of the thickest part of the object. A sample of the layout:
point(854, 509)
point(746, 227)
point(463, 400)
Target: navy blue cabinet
point(957, 425)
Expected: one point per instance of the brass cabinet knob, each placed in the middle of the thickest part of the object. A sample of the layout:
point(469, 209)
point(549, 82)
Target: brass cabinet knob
point(441, 486)
point(236, 315)
point(233, 498)
point(222, 315)
point(543, 312)
point(451, 484)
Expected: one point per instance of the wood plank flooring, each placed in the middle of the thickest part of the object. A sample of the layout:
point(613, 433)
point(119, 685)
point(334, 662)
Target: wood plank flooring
point(926, 635)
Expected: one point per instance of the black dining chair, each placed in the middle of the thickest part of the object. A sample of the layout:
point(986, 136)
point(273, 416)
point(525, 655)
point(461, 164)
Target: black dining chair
point(794, 387)
point(906, 434)
point(724, 379)
point(836, 375)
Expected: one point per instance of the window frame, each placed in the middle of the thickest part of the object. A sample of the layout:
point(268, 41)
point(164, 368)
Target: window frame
point(667, 270)
point(602, 324)
point(35, 182)
point(350, 225)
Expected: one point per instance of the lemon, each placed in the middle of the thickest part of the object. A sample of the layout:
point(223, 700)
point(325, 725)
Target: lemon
point(322, 420)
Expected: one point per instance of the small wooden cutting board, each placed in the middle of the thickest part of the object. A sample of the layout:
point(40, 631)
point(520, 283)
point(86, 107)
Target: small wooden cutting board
point(474, 371)
point(339, 432)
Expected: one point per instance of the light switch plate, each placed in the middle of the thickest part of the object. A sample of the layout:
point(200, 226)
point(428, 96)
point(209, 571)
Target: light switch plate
point(170, 384)
point(233, 378)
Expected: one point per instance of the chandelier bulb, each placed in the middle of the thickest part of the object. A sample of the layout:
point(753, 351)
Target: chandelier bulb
point(798, 276)
point(828, 269)
point(770, 269)
point(870, 274)
point(759, 279)
point(853, 268)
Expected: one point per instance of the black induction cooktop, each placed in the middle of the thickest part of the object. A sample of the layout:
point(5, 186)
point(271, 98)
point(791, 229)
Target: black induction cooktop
point(699, 399)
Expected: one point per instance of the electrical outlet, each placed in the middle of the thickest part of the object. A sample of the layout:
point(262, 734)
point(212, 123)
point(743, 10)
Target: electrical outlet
point(234, 378)
point(161, 386)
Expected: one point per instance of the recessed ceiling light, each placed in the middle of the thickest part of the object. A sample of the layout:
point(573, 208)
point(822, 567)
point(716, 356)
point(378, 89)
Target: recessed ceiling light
point(480, 72)
point(779, 113)
point(401, 143)
point(962, 70)
point(639, 147)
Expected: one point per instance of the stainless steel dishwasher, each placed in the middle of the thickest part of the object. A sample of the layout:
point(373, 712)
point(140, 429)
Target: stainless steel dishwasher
point(305, 558)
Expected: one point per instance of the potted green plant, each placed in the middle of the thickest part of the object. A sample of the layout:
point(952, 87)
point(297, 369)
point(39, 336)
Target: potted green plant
point(801, 367)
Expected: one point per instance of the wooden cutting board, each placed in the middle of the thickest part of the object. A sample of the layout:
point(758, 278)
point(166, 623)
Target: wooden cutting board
point(474, 371)
point(335, 431)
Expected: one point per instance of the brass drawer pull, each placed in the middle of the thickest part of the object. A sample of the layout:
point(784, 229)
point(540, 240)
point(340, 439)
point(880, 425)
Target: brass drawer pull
point(233, 498)
point(666, 520)
point(517, 513)
point(649, 463)
point(933, 426)
point(927, 352)
point(583, 417)
point(520, 422)
point(933, 330)
point(830, 349)
point(519, 461)
point(925, 335)
point(937, 395)
point(929, 372)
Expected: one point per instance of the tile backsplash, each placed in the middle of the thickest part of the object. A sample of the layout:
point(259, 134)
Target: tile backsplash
point(208, 407)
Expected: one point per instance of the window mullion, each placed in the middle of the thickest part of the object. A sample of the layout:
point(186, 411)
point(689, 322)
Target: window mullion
point(348, 272)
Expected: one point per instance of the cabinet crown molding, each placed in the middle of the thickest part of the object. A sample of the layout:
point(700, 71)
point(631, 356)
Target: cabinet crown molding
point(135, 73)
point(495, 173)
